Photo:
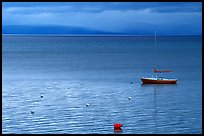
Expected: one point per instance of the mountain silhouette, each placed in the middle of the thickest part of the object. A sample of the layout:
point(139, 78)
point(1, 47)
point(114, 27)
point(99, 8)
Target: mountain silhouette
point(49, 29)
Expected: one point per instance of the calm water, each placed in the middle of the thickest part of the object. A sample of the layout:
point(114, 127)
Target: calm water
point(72, 71)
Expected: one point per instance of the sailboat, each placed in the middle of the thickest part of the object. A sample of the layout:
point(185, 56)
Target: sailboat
point(155, 79)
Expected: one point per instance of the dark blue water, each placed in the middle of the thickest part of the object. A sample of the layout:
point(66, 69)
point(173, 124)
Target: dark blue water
point(72, 71)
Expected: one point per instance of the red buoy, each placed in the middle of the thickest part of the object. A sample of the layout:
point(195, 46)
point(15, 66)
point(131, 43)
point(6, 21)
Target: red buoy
point(117, 126)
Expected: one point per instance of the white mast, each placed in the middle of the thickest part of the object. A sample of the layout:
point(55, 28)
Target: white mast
point(155, 50)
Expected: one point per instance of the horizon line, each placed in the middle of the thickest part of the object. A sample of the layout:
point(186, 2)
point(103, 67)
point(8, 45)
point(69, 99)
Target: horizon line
point(104, 35)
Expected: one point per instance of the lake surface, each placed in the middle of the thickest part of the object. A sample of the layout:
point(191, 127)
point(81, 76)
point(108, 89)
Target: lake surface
point(103, 72)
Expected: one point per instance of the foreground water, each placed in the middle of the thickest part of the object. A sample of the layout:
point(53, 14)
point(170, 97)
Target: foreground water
point(103, 72)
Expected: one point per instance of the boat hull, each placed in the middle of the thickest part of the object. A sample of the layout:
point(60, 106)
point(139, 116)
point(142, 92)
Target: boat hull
point(150, 81)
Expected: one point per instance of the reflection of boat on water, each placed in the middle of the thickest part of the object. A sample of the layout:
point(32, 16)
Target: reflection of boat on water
point(155, 106)
point(152, 90)
point(158, 100)
point(155, 79)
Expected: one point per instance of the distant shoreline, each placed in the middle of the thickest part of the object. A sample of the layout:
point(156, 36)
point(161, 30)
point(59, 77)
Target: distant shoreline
point(59, 35)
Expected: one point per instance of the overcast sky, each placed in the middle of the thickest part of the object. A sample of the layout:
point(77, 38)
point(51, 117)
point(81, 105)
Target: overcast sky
point(122, 17)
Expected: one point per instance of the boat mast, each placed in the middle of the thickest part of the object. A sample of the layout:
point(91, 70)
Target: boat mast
point(155, 51)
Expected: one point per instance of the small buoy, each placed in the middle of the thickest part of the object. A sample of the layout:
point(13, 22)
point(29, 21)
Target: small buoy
point(87, 105)
point(32, 112)
point(41, 96)
point(129, 98)
point(117, 126)
point(131, 82)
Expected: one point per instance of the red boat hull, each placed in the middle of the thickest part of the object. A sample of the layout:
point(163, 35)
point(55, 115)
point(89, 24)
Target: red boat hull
point(149, 81)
